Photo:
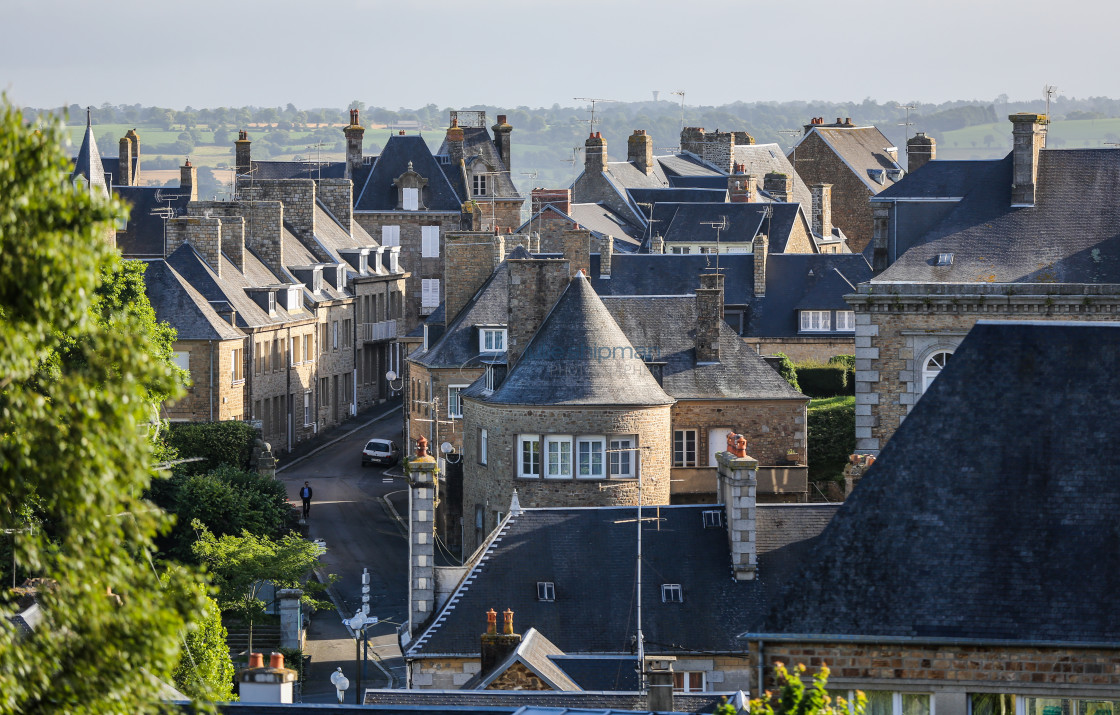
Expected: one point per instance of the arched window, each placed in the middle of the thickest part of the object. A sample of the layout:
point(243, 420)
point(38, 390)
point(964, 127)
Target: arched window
point(935, 363)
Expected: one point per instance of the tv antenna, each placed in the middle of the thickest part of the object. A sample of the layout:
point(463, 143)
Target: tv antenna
point(907, 124)
point(680, 93)
point(1048, 92)
point(720, 225)
point(575, 156)
point(165, 212)
point(593, 101)
point(318, 147)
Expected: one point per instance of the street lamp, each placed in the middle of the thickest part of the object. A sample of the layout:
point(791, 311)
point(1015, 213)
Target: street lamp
point(446, 448)
point(358, 624)
point(340, 683)
point(392, 375)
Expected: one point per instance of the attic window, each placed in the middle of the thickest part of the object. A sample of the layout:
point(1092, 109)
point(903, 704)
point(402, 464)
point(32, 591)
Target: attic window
point(272, 303)
point(480, 184)
point(944, 259)
point(411, 199)
point(546, 591)
point(672, 593)
point(713, 518)
point(492, 340)
point(444, 158)
point(317, 280)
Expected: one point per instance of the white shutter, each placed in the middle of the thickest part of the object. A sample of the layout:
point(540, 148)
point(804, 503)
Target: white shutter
point(429, 241)
point(390, 235)
point(411, 199)
point(429, 295)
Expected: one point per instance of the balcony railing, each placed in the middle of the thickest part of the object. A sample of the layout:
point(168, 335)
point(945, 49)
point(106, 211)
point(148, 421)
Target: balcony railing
point(385, 330)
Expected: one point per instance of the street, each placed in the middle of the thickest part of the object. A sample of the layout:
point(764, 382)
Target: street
point(349, 512)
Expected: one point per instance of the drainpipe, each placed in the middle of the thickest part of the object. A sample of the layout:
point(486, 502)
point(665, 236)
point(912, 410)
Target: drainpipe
point(288, 397)
point(758, 694)
point(211, 380)
point(249, 379)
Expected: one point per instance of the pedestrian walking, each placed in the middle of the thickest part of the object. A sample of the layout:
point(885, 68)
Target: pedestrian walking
point(305, 495)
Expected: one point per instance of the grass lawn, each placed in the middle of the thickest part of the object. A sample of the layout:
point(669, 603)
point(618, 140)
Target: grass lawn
point(990, 141)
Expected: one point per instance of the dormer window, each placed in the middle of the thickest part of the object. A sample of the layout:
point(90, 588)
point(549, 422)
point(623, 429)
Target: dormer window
point(877, 175)
point(317, 280)
point(411, 199)
point(492, 340)
point(672, 593)
point(271, 303)
point(480, 184)
point(410, 186)
point(293, 299)
point(546, 591)
point(815, 321)
point(713, 518)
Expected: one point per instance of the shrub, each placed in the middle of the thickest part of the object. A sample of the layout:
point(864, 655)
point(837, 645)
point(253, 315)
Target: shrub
point(218, 442)
point(832, 436)
point(787, 370)
point(824, 380)
point(849, 362)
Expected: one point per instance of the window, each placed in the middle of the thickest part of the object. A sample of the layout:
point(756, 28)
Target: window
point(845, 320)
point(621, 460)
point(182, 359)
point(296, 352)
point(885, 702)
point(684, 448)
point(429, 296)
point(324, 391)
point(306, 409)
point(236, 365)
point(736, 318)
point(558, 457)
point(455, 401)
point(713, 518)
point(390, 235)
point(672, 593)
point(489, 378)
point(277, 361)
point(429, 241)
point(589, 457)
point(334, 335)
point(933, 367)
point(492, 340)
point(680, 249)
point(482, 445)
point(480, 185)
point(271, 303)
point(992, 704)
point(546, 591)
point(308, 348)
point(688, 682)
point(410, 199)
point(529, 459)
point(815, 320)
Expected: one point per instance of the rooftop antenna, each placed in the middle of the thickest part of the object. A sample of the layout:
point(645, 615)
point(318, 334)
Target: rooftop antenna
point(317, 146)
point(906, 125)
point(720, 225)
point(165, 212)
point(680, 93)
point(791, 133)
point(1048, 92)
point(594, 101)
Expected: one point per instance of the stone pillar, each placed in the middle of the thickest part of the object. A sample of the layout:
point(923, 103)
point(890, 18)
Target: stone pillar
point(760, 245)
point(502, 130)
point(242, 155)
point(779, 186)
point(354, 133)
point(709, 309)
point(421, 472)
point(880, 224)
point(595, 154)
point(639, 151)
point(920, 149)
point(822, 210)
point(1029, 133)
point(738, 482)
point(262, 461)
point(124, 170)
point(188, 180)
point(659, 671)
point(291, 619)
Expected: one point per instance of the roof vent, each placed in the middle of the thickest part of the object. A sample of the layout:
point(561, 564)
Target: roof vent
point(894, 174)
point(877, 175)
point(944, 259)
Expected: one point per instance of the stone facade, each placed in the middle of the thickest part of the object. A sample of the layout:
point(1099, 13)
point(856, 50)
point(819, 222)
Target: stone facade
point(488, 488)
point(442, 673)
point(804, 349)
point(772, 427)
point(817, 163)
point(535, 284)
point(518, 677)
point(899, 327)
point(421, 542)
point(213, 394)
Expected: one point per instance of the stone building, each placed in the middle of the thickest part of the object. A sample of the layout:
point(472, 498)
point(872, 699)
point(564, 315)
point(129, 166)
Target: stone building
point(1029, 237)
point(605, 182)
point(857, 162)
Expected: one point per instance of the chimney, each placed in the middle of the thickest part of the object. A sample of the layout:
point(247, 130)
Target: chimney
point(1029, 133)
point(575, 245)
point(502, 131)
point(354, 133)
point(233, 240)
point(595, 154)
point(264, 231)
point(469, 261)
point(742, 139)
point(919, 150)
point(455, 138)
point(779, 186)
point(272, 684)
point(338, 196)
point(693, 140)
point(709, 315)
point(760, 246)
point(560, 198)
point(738, 480)
point(740, 186)
point(535, 284)
point(242, 154)
point(639, 151)
point(124, 168)
point(822, 210)
point(717, 150)
point(496, 647)
point(656, 244)
point(202, 232)
point(880, 223)
point(421, 471)
point(659, 669)
point(188, 179)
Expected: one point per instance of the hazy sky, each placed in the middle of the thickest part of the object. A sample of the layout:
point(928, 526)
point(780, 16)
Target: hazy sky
point(210, 53)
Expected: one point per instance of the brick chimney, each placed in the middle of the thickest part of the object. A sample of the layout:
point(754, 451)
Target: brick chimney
point(595, 154)
point(188, 179)
point(129, 148)
point(271, 684)
point(659, 671)
point(760, 246)
point(1029, 133)
point(738, 481)
point(469, 260)
point(354, 133)
point(919, 150)
point(822, 209)
point(455, 138)
point(740, 186)
point(779, 186)
point(639, 151)
point(496, 647)
point(693, 140)
point(338, 196)
point(502, 130)
point(242, 153)
point(560, 198)
point(709, 315)
point(535, 284)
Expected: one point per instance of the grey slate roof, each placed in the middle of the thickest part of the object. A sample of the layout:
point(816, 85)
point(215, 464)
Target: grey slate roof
point(991, 512)
point(458, 346)
point(861, 149)
point(478, 144)
point(534, 652)
point(602, 220)
point(143, 237)
point(666, 327)
point(712, 181)
point(378, 193)
point(176, 302)
point(681, 222)
point(675, 165)
point(760, 159)
point(940, 179)
point(1070, 235)
point(299, 169)
point(563, 364)
point(589, 554)
point(625, 175)
point(598, 672)
point(535, 702)
point(649, 197)
point(88, 162)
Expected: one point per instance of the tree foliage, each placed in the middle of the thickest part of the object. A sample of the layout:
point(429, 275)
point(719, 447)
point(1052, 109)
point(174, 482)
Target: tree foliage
point(787, 370)
point(221, 443)
point(793, 698)
point(75, 408)
point(205, 671)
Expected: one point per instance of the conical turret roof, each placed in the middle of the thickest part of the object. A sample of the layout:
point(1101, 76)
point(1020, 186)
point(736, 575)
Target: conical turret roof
point(580, 356)
point(88, 164)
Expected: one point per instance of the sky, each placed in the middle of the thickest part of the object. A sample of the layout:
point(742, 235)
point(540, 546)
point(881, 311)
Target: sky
point(508, 53)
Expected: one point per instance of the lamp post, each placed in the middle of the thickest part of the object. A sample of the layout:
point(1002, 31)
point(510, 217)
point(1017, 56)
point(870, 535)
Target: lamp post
point(358, 624)
point(340, 683)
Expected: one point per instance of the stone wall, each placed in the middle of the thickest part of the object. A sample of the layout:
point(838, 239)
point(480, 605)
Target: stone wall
point(298, 197)
point(276, 382)
point(470, 259)
point(518, 677)
point(817, 163)
point(338, 196)
point(209, 368)
point(771, 426)
point(336, 363)
point(490, 486)
point(804, 349)
point(535, 284)
point(204, 233)
point(443, 673)
point(898, 327)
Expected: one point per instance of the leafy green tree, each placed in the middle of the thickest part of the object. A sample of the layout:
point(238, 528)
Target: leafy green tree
point(787, 370)
point(205, 671)
point(793, 698)
point(74, 443)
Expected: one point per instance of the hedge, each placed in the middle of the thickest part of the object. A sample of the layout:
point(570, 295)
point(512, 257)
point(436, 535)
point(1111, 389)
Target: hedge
point(824, 380)
point(786, 369)
point(832, 436)
point(219, 442)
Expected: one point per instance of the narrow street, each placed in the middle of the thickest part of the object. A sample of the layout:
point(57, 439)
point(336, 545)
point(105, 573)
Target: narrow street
point(350, 513)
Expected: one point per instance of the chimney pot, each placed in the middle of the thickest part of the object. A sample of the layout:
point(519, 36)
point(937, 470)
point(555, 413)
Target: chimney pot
point(501, 119)
point(838, 121)
point(256, 660)
point(276, 660)
point(401, 132)
point(492, 621)
point(507, 622)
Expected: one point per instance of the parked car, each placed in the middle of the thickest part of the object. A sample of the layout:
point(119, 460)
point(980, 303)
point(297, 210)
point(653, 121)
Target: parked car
point(381, 451)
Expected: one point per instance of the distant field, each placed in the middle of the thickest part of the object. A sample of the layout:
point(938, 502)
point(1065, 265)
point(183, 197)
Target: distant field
point(989, 141)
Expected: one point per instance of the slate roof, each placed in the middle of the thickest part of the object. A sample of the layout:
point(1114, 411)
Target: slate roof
point(534, 652)
point(536, 702)
point(112, 167)
point(561, 364)
point(649, 197)
point(861, 149)
point(299, 169)
point(88, 162)
point(176, 302)
point(685, 223)
point(680, 165)
point(589, 554)
point(986, 517)
point(478, 144)
point(144, 234)
point(760, 159)
point(378, 193)
point(625, 175)
point(707, 181)
point(1070, 235)
point(599, 672)
point(458, 346)
point(602, 220)
point(666, 327)
point(940, 179)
